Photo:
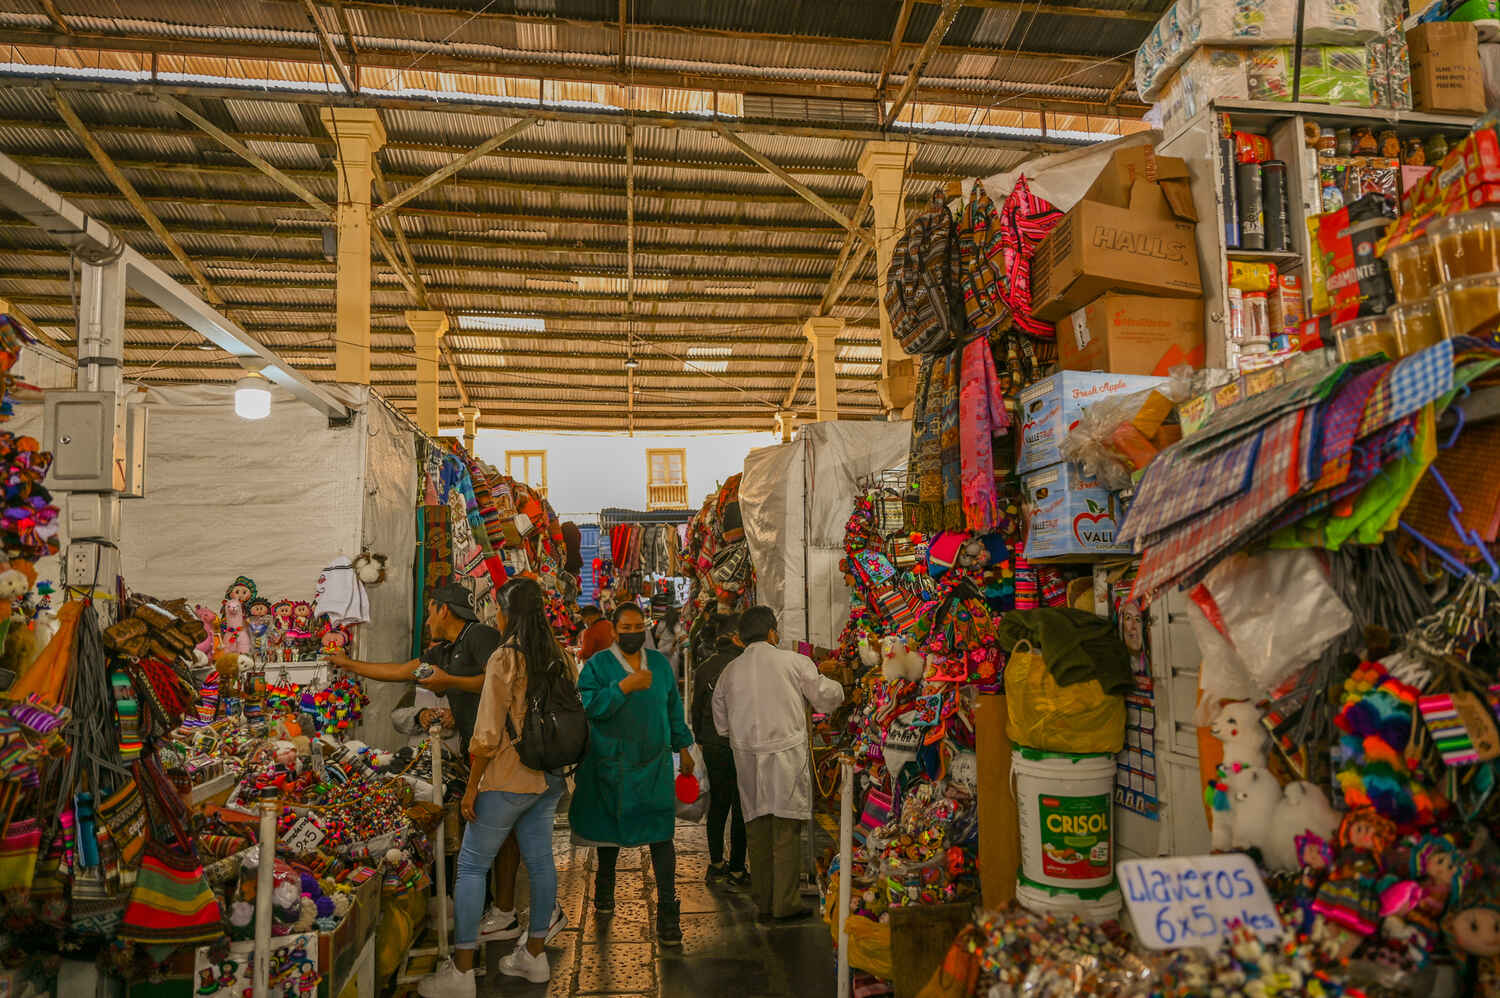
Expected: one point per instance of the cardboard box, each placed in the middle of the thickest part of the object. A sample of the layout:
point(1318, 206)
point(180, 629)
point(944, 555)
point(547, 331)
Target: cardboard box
point(1445, 70)
point(1070, 517)
point(1133, 231)
point(1132, 334)
point(1050, 408)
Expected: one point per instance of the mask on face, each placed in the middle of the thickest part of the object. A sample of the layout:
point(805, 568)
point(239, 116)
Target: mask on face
point(632, 643)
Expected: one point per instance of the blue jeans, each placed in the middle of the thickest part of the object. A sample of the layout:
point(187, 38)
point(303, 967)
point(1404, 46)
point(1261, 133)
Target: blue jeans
point(496, 813)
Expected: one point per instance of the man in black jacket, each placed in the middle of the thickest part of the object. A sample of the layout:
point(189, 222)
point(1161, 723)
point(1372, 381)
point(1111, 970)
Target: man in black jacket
point(723, 783)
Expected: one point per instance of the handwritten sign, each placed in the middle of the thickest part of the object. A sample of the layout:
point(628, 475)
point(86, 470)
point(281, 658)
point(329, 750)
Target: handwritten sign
point(303, 837)
point(1195, 900)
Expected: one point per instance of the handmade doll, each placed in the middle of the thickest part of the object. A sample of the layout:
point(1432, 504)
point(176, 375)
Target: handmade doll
point(334, 639)
point(258, 623)
point(209, 645)
point(300, 633)
point(242, 589)
point(1316, 858)
point(281, 625)
point(1473, 927)
point(1414, 909)
point(1348, 903)
point(232, 633)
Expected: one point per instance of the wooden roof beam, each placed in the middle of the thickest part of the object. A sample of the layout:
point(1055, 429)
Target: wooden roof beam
point(343, 17)
point(807, 194)
point(1060, 9)
point(412, 277)
point(924, 56)
point(898, 38)
point(237, 147)
point(35, 330)
point(436, 177)
point(550, 112)
point(330, 50)
point(55, 16)
point(843, 271)
point(124, 186)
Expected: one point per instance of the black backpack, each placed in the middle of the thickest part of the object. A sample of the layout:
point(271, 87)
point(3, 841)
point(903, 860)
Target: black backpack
point(555, 731)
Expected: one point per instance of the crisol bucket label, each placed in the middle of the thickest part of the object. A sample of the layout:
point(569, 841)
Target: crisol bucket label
point(1075, 836)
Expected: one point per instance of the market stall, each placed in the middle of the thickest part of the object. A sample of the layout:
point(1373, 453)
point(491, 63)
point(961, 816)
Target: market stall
point(1213, 533)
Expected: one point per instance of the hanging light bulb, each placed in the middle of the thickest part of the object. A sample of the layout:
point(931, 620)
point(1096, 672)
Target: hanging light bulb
point(252, 396)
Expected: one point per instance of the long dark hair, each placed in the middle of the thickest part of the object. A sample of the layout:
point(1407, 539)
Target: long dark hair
point(527, 628)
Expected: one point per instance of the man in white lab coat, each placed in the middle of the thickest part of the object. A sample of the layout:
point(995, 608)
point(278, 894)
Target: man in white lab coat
point(761, 706)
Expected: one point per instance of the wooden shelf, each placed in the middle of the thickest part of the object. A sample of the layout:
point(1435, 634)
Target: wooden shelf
point(1255, 254)
point(1335, 113)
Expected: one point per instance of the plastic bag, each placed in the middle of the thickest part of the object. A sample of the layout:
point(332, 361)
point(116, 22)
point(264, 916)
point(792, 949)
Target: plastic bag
point(1102, 443)
point(698, 808)
point(1275, 610)
point(1079, 718)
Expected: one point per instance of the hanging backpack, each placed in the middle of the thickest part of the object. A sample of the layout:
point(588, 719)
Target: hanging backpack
point(924, 287)
point(555, 731)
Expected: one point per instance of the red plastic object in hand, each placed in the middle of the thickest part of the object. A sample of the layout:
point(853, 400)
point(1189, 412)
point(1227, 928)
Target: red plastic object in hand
point(687, 788)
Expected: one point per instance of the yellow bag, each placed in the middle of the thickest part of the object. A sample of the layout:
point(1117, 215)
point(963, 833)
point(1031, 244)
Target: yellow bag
point(1079, 718)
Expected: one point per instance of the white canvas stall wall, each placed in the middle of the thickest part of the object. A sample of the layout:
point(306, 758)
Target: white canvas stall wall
point(388, 527)
point(275, 499)
point(796, 499)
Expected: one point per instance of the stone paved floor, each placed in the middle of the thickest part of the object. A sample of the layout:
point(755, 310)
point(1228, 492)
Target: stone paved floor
point(724, 953)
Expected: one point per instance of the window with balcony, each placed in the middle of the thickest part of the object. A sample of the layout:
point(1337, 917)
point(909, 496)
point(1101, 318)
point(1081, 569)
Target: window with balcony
point(529, 466)
point(666, 479)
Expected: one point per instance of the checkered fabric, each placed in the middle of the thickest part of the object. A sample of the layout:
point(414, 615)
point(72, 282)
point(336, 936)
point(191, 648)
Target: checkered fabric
point(1339, 425)
point(1255, 412)
point(1277, 475)
point(1178, 485)
point(1413, 382)
point(1361, 463)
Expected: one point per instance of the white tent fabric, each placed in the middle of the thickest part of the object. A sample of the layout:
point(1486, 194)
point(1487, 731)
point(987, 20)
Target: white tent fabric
point(796, 499)
point(275, 499)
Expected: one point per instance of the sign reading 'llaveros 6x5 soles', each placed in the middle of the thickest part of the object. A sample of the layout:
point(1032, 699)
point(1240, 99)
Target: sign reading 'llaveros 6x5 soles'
point(1184, 901)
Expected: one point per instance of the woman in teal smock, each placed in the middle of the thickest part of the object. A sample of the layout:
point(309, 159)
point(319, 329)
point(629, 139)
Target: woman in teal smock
point(624, 792)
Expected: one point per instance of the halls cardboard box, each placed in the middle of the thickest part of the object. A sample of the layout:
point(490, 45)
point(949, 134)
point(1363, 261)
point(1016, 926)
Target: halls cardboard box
point(1446, 75)
point(1070, 517)
point(1050, 408)
point(1132, 334)
point(1133, 231)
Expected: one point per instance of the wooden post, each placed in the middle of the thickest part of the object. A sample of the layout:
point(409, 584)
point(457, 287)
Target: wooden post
point(357, 133)
point(883, 164)
point(427, 328)
point(999, 825)
point(822, 332)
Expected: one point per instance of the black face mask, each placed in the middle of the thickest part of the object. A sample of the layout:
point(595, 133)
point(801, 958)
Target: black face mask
point(632, 643)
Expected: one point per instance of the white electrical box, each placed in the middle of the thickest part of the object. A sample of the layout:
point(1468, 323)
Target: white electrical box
point(92, 516)
point(81, 432)
point(136, 420)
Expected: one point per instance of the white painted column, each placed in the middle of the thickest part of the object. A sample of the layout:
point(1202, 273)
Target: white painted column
point(427, 328)
point(822, 332)
point(357, 134)
point(883, 164)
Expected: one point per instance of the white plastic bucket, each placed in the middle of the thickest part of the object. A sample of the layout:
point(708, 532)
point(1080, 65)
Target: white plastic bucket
point(1063, 903)
point(1066, 808)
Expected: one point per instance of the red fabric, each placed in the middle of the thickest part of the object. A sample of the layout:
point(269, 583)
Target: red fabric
point(598, 636)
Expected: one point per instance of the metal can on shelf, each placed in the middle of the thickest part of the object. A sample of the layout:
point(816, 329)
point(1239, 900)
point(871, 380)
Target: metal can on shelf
point(1278, 234)
point(1247, 180)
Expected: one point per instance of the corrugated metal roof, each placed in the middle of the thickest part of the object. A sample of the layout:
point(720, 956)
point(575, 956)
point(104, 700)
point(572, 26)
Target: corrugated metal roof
point(725, 253)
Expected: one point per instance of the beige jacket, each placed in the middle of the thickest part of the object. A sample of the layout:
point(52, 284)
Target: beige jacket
point(504, 690)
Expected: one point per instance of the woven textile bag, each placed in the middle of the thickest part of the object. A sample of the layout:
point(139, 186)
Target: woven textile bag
point(924, 283)
point(171, 901)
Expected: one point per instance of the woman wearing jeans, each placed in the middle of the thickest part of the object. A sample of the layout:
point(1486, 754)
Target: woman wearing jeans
point(623, 793)
point(503, 795)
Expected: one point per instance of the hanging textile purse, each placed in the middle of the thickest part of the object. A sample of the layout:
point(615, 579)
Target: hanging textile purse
point(171, 901)
point(982, 257)
point(124, 814)
point(166, 694)
point(731, 566)
point(18, 856)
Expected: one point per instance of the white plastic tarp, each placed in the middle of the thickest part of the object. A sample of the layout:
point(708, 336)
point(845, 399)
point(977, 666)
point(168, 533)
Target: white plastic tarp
point(796, 499)
point(1065, 177)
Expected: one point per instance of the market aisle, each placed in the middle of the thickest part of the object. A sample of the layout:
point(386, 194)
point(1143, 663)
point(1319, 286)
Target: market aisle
point(724, 953)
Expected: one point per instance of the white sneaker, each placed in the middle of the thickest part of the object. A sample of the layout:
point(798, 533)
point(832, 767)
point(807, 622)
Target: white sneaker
point(499, 925)
point(558, 923)
point(447, 982)
point(521, 963)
